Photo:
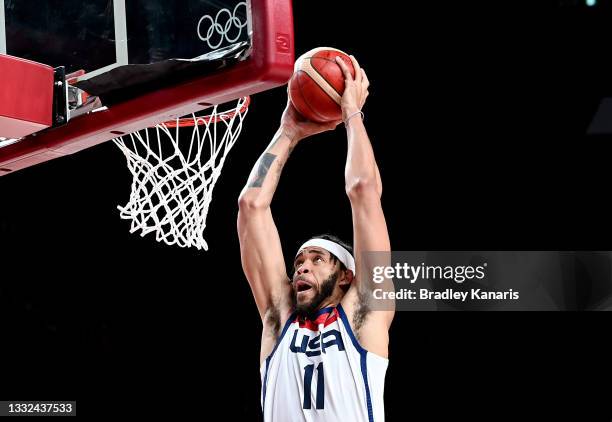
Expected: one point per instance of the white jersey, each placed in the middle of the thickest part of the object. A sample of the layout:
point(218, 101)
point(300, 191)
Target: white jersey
point(318, 371)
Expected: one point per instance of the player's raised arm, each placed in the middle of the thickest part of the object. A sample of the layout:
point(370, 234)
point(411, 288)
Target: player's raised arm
point(364, 189)
point(260, 246)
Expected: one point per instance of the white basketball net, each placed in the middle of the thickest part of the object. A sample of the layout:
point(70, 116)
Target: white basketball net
point(173, 180)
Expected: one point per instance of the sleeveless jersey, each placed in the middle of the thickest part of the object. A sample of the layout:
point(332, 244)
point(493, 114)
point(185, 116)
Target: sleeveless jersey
point(318, 371)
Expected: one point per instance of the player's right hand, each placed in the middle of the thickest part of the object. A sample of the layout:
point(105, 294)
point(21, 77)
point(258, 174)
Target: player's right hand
point(296, 127)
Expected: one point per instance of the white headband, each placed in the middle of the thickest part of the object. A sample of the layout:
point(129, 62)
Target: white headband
point(332, 247)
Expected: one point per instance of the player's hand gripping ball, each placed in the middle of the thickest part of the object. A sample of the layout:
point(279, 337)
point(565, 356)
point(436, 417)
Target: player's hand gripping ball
point(317, 84)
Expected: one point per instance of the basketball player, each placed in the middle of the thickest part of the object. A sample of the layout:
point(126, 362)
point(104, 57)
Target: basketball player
point(323, 350)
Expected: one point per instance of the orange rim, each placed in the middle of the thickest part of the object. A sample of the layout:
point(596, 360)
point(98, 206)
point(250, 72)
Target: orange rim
point(200, 120)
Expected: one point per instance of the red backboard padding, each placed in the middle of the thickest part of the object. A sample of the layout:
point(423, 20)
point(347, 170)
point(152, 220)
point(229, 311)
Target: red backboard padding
point(26, 97)
point(269, 65)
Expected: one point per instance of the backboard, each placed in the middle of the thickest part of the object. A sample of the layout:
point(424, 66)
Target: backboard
point(147, 60)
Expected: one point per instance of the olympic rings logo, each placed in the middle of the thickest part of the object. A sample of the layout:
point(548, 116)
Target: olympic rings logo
point(219, 29)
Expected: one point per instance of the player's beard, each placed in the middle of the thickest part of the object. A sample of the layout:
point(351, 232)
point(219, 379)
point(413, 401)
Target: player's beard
point(326, 290)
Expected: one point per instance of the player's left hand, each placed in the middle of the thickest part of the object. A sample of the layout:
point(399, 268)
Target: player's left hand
point(355, 88)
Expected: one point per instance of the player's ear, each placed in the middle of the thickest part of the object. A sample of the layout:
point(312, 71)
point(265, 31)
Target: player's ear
point(347, 278)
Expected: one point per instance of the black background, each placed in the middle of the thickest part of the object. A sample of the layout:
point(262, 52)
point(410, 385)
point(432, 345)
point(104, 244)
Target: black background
point(477, 115)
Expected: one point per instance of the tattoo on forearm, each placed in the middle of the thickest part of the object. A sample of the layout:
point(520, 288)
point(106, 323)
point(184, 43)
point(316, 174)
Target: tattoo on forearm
point(265, 162)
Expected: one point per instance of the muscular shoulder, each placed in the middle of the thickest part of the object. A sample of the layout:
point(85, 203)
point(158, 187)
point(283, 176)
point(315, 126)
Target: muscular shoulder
point(371, 327)
point(273, 323)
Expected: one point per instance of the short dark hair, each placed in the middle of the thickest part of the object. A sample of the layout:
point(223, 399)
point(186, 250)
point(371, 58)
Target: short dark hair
point(337, 240)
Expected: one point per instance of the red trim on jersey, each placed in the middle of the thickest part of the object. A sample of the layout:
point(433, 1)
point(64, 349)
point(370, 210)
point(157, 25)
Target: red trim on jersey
point(324, 319)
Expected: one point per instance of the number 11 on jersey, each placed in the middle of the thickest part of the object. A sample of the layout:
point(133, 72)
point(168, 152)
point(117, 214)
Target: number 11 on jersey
point(308, 373)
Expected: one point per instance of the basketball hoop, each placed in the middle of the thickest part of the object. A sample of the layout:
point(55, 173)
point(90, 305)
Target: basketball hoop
point(173, 180)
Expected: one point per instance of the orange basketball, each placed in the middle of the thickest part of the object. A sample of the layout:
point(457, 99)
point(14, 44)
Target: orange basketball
point(317, 84)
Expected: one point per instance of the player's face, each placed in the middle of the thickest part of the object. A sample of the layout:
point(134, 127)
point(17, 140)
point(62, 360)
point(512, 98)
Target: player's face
point(314, 278)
